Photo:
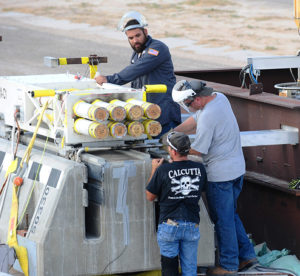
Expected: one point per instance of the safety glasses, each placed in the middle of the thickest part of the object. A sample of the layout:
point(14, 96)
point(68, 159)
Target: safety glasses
point(169, 142)
point(189, 101)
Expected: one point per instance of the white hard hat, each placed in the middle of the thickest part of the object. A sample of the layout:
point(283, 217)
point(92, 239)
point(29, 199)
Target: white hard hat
point(132, 20)
point(184, 90)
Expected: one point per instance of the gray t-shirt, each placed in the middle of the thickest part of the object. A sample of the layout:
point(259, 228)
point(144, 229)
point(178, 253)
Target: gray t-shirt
point(218, 140)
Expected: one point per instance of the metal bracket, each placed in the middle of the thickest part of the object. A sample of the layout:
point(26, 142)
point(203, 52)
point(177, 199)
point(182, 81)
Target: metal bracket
point(280, 62)
point(85, 198)
point(287, 135)
point(256, 88)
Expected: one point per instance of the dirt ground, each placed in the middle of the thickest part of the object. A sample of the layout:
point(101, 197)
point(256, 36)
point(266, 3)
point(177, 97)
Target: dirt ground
point(227, 27)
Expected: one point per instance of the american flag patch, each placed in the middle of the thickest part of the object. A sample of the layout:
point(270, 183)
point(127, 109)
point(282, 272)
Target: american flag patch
point(153, 52)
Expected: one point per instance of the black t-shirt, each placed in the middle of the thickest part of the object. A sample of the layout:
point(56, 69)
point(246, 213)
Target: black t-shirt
point(178, 186)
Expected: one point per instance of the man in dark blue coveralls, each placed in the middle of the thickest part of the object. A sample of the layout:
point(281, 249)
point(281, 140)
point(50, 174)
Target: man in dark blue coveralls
point(151, 63)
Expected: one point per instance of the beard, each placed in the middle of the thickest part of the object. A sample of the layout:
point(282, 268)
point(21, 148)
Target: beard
point(139, 47)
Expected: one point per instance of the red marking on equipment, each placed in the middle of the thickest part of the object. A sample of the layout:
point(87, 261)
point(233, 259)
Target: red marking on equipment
point(12, 223)
point(18, 181)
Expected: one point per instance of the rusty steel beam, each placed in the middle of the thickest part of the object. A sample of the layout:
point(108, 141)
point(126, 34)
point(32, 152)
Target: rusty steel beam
point(231, 77)
point(270, 215)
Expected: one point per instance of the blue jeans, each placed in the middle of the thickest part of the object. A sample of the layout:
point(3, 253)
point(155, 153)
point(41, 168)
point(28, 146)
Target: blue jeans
point(183, 240)
point(233, 242)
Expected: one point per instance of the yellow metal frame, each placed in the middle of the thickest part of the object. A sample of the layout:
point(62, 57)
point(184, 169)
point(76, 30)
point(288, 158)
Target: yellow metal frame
point(84, 60)
point(297, 13)
point(153, 88)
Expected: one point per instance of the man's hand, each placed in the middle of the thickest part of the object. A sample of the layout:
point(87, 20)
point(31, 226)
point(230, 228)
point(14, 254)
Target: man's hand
point(101, 79)
point(156, 163)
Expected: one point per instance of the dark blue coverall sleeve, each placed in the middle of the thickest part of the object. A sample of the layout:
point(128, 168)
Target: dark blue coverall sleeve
point(141, 66)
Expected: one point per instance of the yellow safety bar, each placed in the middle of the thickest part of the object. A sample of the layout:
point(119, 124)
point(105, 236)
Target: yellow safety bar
point(42, 93)
point(51, 92)
point(92, 60)
point(153, 88)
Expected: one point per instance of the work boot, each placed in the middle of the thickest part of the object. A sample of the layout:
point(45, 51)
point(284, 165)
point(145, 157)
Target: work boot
point(247, 264)
point(169, 266)
point(219, 271)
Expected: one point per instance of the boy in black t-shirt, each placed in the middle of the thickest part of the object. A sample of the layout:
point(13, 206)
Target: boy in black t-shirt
point(177, 186)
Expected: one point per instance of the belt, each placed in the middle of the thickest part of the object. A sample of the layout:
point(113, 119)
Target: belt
point(174, 223)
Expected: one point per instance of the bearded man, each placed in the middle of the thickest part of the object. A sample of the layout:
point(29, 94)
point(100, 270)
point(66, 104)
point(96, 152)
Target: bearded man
point(150, 63)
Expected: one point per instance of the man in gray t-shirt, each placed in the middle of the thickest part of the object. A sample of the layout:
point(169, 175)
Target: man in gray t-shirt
point(218, 142)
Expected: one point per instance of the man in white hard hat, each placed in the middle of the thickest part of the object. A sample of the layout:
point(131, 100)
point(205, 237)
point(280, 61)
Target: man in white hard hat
point(217, 140)
point(151, 63)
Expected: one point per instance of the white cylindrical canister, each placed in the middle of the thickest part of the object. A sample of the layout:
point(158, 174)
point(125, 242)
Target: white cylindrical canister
point(134, 128)
point(89, 111)
point(151, 110)
point(116, 112)
point(117, 129)
point(97, 130)
point(152, 128)
point(133, 112)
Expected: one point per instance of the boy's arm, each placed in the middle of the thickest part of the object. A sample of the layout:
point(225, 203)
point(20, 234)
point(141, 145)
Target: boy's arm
point(155, 164)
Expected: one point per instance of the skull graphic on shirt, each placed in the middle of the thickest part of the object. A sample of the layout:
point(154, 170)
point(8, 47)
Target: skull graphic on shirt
point(185, 185)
